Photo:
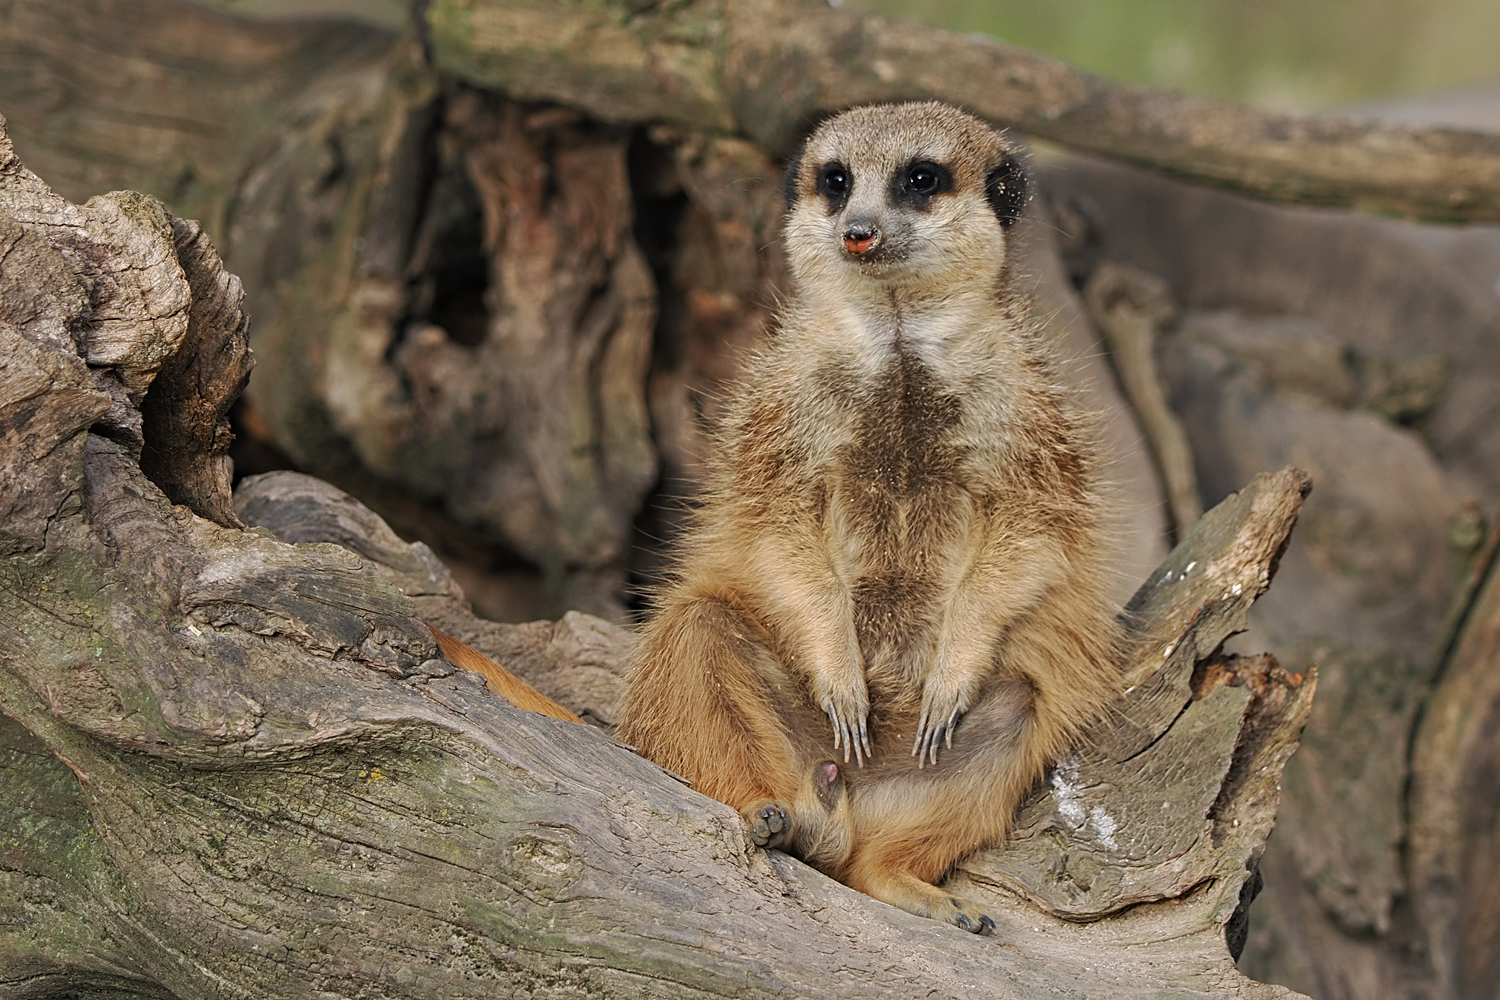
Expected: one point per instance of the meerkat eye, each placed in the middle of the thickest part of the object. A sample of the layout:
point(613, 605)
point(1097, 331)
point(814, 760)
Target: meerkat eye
point(833, 181)
point(918, 183)
point(922, 179)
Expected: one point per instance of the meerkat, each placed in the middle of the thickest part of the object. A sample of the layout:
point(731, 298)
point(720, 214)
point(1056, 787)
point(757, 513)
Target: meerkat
point(898, 555)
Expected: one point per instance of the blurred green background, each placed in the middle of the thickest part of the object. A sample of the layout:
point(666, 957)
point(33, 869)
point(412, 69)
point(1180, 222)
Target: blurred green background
point(1283, 54)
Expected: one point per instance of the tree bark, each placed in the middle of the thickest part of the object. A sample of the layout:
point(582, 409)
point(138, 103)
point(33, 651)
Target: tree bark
point(1363, 350)
point(1455, 831)
point(234, 763)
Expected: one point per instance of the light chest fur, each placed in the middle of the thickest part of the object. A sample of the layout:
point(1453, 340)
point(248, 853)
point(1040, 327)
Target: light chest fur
point(906, 463)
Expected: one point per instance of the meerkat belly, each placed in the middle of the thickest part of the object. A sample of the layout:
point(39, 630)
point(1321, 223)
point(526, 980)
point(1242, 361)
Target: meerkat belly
point(901, 563)
point(901, 520)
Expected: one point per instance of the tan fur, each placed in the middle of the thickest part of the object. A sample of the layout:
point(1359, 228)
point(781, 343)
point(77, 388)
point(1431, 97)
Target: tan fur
point(499, 680)
point(900, 528)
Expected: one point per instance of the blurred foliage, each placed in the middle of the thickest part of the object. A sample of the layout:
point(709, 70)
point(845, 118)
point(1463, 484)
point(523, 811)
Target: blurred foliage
point(1285, 54)
point(386, 13)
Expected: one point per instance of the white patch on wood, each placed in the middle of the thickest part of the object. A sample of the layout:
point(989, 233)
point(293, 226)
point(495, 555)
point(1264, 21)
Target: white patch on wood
point(1067, 793)
point(1104, 826)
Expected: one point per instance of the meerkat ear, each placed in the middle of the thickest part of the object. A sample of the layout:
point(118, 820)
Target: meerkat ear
point(790, 175)
point(1005, 187)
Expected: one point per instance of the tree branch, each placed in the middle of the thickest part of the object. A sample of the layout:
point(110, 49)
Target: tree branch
point(765, 67)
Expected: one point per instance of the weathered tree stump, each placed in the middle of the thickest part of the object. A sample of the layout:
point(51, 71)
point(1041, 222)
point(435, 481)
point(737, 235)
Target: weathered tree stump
point(236, 763)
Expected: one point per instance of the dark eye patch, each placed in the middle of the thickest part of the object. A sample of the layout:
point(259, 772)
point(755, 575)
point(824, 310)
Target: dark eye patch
point(834, 184)
point(1005, 187)
point(917, 183)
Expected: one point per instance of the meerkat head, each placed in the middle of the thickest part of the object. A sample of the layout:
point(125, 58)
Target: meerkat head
point(913, 195)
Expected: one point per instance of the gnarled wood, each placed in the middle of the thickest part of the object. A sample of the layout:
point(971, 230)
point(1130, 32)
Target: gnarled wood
point(1455, 828)
point(233, 762)
point(1130, 307)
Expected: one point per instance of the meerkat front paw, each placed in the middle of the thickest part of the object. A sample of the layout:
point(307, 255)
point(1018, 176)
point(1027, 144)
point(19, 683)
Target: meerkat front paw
point(849, 712)
point(770, 824)
point(941, 708)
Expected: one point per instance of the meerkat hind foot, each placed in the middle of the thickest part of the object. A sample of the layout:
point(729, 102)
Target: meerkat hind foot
point(968, 916)
point(954, 910)
point(925, 900)
point(770, 824)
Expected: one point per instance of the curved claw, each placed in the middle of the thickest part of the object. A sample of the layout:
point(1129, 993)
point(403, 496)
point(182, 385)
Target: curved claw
point(847, 736)
point(925, 747)
point(984, 925)
point(927, 741)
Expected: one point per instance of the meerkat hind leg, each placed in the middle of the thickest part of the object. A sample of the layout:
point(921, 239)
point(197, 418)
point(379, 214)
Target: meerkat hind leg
point(706, 701)
point(904, 890)
point(817, 827)
point(911, 830)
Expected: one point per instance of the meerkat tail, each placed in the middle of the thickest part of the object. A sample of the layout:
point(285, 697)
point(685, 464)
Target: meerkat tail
point(500, 681)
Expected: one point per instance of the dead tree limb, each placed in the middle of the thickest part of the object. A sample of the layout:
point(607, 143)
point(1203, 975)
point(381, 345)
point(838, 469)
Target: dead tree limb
point(762, 68)
point(233, 764)
point(1129, 308)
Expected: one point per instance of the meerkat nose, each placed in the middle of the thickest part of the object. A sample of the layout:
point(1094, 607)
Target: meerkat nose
point(861, 237)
